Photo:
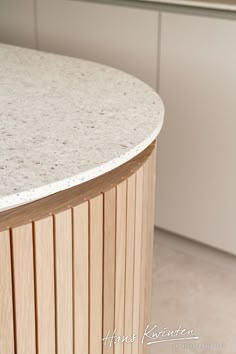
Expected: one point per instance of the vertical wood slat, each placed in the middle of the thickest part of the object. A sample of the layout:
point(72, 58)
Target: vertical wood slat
point(130, 244)
point(63, 265)
point(120, 263)
point(6, 301)
point(44, 271)
point(142, 347)
point(150, 234)
point(137, 257)
point(22, 243)
point(96, 273)
point(81, 278)
point(109, 267)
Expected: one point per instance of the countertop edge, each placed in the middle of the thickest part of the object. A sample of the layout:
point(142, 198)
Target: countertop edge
point(14, 200)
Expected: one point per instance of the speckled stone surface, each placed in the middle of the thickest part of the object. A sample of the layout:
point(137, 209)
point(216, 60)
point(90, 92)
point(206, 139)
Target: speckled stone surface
point(64, 121)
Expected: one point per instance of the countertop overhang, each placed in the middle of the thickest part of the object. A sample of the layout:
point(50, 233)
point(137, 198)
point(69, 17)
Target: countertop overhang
point(65, 121)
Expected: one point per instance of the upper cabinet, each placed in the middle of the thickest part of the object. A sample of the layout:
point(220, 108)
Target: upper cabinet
point(120, 36)
point(196, 190)
point(17, 22)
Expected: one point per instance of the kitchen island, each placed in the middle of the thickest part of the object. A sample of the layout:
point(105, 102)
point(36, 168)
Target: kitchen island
point(77, 169)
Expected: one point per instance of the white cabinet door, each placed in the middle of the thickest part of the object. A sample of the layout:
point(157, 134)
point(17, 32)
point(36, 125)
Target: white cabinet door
point(17, 25)
point(122, 37)
point(196, 189)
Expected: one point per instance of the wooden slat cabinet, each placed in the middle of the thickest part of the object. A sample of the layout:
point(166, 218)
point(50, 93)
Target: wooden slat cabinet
point(76, 267)
point(196, 174)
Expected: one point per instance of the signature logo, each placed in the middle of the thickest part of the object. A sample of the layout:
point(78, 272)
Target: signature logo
point(152, 335)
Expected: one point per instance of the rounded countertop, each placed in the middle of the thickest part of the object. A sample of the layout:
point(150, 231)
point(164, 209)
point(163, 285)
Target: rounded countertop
point(64, 121)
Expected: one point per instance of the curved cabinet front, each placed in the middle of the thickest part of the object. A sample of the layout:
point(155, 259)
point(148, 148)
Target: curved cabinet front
point(75, 267)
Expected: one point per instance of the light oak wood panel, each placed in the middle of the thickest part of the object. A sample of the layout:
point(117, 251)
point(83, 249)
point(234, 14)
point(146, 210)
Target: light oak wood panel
point(144, 255)
point(96, 274)
point(137, 257)
point(22, 242)
point(129, 276)
point(81, 278)
point(109, 267)
point(45, 295)
point(120, 264)
point(63, 265)
point(6, 303)
point(150, 235)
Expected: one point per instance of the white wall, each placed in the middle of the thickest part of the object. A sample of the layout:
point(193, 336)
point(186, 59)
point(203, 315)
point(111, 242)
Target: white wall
point(17, 22)
point(196, 189)
point(123, 37)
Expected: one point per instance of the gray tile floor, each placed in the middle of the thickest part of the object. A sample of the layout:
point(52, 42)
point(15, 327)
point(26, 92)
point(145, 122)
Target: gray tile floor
point(193, 286)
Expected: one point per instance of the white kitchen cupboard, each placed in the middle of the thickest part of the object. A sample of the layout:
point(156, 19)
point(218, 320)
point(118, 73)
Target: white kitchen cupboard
point(196, 174)
point(17, 22)
point(123, 37)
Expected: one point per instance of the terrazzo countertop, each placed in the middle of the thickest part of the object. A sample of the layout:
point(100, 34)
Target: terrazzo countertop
point(223, 5)
point(64, 121)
